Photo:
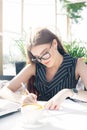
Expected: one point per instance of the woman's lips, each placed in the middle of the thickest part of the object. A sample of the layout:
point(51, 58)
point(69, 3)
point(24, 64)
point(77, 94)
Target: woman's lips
point(46, 62)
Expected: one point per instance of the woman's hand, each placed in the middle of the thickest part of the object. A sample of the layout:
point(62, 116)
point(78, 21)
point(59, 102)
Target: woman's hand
point(30, 98)
point(55, 102)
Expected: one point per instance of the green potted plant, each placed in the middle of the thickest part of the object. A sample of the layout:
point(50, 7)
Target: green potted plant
point(75, 50)
point(20, 45)
point(74, 9)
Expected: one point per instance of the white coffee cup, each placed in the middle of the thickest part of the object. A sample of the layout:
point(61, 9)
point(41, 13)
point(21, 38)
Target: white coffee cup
point(31, 113)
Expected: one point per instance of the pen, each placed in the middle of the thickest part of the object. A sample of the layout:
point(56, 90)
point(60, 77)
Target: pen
point(25, 89)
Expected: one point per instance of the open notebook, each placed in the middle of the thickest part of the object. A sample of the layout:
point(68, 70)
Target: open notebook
point(8, 107)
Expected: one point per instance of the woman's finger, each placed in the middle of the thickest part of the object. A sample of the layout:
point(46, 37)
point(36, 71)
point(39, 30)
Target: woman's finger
point(31, 98)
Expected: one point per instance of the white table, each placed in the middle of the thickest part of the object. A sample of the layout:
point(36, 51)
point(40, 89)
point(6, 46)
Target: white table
point(71, 116)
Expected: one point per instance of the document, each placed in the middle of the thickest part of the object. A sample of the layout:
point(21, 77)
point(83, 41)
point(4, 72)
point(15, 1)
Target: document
point(8, 107)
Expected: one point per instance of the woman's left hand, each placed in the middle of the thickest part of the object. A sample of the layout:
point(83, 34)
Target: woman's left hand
point(55, 102)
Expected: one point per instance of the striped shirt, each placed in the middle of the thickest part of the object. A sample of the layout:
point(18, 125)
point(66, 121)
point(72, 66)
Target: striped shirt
point(64, 78)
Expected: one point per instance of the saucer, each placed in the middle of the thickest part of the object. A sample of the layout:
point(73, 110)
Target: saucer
point(24, 124)
point(36, 125)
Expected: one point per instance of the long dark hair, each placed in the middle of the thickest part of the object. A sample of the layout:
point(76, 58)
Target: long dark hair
point(30, 86)
point(41, 36)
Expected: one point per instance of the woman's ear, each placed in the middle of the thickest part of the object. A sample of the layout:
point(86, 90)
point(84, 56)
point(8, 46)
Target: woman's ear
point(55, 44)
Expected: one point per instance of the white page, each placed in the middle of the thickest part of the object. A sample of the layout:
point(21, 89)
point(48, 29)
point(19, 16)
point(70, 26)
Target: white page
point(7, 107)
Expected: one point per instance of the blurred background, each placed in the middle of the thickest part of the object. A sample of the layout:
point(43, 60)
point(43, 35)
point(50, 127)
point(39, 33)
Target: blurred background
point(67, 18)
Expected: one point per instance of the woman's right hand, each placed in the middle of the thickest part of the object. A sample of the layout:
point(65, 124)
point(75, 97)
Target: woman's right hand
point(30, 98)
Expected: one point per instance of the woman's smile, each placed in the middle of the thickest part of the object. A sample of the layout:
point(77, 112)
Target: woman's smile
point(47, 62)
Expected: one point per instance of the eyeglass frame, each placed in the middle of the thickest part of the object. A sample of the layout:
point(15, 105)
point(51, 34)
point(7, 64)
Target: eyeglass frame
point(40, 58)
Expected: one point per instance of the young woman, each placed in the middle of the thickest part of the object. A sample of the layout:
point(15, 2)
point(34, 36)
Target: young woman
point(55, 72)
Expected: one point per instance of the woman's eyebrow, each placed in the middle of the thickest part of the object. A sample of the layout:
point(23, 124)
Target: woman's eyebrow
point(43, 50)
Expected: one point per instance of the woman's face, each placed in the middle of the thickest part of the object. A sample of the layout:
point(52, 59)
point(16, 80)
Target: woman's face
point(45, 54)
